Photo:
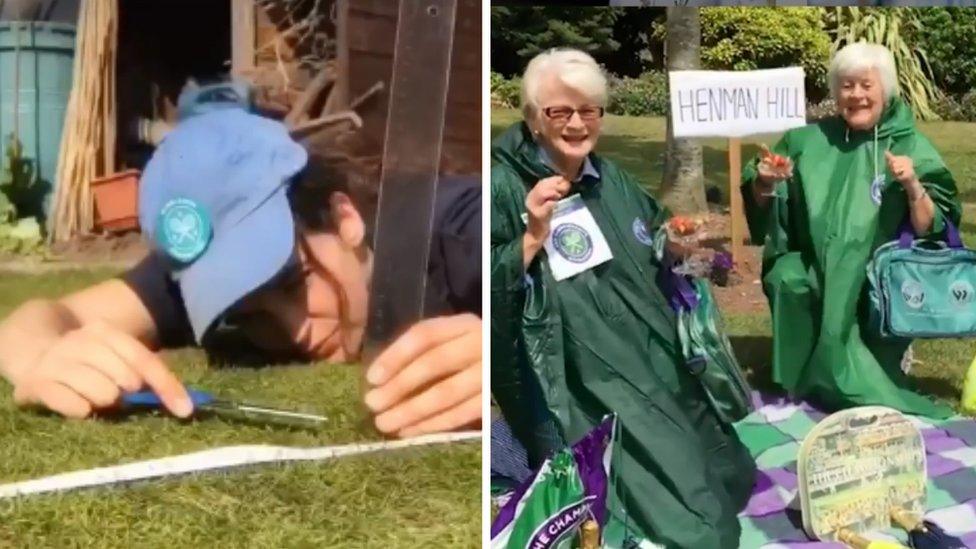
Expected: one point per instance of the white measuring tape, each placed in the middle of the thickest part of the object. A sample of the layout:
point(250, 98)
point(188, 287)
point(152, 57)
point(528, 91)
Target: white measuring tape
point(215, 459)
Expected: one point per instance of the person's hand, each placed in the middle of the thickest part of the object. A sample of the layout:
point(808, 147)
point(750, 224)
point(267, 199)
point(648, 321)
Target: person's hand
point(429, 379)
point(773, 168)
point(89, 369)
point(541, 202)
point(903, 169)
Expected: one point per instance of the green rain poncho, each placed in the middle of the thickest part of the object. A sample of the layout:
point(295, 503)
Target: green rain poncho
point(603, 341)
point(819, 234)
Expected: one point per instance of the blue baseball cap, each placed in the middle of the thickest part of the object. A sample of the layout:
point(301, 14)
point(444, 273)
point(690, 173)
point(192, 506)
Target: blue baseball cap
point(213, 205)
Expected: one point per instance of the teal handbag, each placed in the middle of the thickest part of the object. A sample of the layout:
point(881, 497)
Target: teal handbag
point(923, 289)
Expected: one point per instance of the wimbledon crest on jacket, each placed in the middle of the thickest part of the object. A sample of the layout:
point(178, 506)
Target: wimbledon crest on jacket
point(640, 232)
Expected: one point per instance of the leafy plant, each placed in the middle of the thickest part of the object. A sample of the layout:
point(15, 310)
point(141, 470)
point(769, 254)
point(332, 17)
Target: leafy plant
point(961, 109)
point(644, 96)
point(891, 28)
point(823, 109)
point(505, 92)
point(21, 237)
point(17, 179)
point(8, 212)
point(948, 37)
point(743, 39)
point(17, 185)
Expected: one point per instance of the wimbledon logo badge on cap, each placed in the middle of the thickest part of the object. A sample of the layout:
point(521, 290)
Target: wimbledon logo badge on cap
point(183, 229)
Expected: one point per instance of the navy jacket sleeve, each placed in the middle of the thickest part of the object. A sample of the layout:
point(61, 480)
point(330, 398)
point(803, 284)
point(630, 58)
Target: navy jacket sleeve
point(162, 298)
point(455, 255)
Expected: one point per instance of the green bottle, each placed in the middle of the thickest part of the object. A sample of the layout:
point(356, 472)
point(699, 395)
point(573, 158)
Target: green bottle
point(969, 389)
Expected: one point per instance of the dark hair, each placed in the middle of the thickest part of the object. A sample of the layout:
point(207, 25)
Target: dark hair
point(333, 167)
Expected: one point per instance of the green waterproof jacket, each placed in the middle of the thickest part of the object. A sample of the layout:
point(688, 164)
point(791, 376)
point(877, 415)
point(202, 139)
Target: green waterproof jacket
point(605, 340)
point(819, 234)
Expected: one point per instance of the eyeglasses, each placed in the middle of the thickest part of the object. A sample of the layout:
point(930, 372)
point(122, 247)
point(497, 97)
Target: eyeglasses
point(563, 113)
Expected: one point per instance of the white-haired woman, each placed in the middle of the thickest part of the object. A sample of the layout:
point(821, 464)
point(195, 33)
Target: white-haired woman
point(850, 182)
point(566, 352)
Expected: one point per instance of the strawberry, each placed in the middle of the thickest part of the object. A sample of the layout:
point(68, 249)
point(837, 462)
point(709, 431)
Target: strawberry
point(774, 160)
point(683, 226)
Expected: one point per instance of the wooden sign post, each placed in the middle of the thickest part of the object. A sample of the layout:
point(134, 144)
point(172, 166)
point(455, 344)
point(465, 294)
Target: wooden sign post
point(734, 104)
point(738, 218)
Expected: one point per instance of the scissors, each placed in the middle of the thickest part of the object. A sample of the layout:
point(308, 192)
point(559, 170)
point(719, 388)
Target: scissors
point(205, 401)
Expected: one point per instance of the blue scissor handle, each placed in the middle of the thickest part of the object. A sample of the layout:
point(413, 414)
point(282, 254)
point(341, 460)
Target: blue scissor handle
point(149, 399)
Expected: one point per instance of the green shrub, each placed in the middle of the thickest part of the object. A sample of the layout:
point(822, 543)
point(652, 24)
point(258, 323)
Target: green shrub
point(505, 92)
point(644, 96)
point(14, 179)
point(19, 232)
point(762, 38)
point(8, 213)
point(948, 37)
point(823, 109)
point(960, 109)
point(968, 107)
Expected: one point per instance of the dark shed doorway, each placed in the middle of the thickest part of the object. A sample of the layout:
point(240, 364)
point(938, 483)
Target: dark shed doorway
point(161, 46)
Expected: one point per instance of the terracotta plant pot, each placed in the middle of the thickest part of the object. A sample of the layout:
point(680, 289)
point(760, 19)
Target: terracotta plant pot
point(117, 201)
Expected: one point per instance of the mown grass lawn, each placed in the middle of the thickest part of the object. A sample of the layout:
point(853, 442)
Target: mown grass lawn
point(637, 143)
point(428, 497)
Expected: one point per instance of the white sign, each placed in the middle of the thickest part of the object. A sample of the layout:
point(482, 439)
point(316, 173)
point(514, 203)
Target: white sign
point(736, 103)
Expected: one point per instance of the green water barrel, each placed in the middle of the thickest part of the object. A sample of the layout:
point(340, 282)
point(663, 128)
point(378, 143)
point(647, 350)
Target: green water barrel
point(36, 63)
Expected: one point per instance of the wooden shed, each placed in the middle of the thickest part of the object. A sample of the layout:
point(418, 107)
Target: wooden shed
point(309, 61)
point(364, 32)
point(251, 39)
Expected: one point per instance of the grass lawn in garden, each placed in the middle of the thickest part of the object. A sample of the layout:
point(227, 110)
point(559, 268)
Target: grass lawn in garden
point(427, 497)
point(638, 143)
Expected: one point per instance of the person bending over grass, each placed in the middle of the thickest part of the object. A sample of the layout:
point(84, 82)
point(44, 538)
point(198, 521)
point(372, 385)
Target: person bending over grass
point(256, 241)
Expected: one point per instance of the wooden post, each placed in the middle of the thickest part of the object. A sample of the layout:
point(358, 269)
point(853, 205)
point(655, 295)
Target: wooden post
point(242, 25)
point(736, 213)
point(339, 98)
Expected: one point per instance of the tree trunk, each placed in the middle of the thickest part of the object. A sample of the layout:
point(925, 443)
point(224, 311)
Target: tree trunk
point(683, 187)
point(20, 10)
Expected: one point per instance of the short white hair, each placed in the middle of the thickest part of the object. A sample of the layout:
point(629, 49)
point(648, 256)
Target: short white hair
point(574, 68)
point(862, 56)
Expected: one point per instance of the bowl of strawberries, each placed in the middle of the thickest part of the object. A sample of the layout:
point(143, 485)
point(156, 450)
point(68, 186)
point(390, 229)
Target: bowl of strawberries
point(777, 165)
point(684, 230)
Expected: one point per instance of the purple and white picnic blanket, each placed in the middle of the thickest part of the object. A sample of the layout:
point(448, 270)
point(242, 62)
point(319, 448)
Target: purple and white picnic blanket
point(773, 434)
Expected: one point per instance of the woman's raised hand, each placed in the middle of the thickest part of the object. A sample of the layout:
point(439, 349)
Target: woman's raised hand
point(541, 202)
point(773, 168)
